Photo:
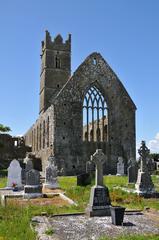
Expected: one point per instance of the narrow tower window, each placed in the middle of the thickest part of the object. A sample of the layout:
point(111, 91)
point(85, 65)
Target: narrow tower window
point(57, 61)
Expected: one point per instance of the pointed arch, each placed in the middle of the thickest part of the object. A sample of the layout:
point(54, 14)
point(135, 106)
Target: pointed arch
point(94, 114)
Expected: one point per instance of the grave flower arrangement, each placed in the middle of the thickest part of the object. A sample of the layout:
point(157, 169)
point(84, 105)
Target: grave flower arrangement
point(14, 186)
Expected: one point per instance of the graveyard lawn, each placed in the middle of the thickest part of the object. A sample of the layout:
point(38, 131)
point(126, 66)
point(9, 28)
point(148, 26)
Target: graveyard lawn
point(15, 219)
point(133, 237)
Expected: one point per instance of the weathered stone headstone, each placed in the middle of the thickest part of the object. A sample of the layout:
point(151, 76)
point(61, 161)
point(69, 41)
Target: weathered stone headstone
point(144, 185)
point(14, 174)
point(99, 204)
point(32, 189)
point(151, 165)
point(120, 166)
point(90, 167)
point(132, 171)
point(29, 165)
point(51, 174)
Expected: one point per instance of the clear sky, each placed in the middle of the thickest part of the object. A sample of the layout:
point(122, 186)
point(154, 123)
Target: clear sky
point(125, 32)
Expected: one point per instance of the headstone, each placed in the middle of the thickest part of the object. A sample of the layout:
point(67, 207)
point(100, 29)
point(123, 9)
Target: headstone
point(151, 165)
point(90, 167)
point(14, 174)
point(51, 174)
point(120, 166)
point(83, 179)
point(32, 189)
point(99, 204)
point(29, 165)
point(157, 166)
point(132, 171)
point(144, 185)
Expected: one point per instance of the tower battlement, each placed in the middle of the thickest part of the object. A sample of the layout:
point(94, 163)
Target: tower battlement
point(57, 43)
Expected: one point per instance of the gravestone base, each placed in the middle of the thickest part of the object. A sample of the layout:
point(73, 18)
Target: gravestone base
point(32, 191)
point(99, 204)
point(144, 185)
point(51, 185)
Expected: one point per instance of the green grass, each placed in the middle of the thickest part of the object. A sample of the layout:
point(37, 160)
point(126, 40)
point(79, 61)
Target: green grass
point(49, 232)
point(132, 237)
point(15, 220)
point(155, 179)
point(3, 182)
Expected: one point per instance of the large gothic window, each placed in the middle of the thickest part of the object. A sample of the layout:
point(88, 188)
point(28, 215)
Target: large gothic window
point(95, 116)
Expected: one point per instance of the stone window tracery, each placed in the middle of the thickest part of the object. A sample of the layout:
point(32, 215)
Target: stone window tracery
point(95, 116)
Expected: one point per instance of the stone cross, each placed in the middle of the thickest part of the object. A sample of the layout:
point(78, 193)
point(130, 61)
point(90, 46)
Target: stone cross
point(99, 158)
point(143, 152)
point(51, 160)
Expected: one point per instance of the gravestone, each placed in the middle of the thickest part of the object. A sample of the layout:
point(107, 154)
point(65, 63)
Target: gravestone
point(83, 179)
point(51, 174)
point(99, 204)
point(144, 185)
point(132, 171)
point(90, 167)
point(29, 165)
point(151, 165)
point(33, 188)
point(14, 174)
point(120, 167)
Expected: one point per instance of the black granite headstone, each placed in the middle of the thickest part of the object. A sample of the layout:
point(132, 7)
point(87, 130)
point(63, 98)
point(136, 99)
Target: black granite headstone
point(84, 179)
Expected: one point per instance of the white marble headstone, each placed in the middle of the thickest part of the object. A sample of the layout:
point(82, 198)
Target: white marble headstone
point(120, 166)
point(14, 174)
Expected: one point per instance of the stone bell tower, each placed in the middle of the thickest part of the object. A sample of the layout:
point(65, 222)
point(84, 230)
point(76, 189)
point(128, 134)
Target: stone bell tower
point(55, 68)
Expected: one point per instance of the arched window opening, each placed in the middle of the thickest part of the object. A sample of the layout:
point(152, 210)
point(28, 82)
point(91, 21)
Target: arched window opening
point(37, 140)
point(48, 136)
point(91, 135)
point(40, 137)
point(43, 134)
point(85, 136)
point(57, 61)
point(105, 132)
point(32, 139)
point(95, 115)
point(98, 135)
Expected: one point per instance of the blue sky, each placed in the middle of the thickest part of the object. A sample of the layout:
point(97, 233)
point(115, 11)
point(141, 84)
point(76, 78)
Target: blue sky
point(125, 32)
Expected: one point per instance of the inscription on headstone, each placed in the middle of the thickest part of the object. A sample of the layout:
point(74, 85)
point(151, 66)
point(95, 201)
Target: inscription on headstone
point(33, 177)
point(32, 189)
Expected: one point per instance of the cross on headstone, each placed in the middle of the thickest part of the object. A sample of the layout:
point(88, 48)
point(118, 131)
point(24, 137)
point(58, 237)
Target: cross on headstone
point(98, 158)
point(143, 152)
point(51, 160)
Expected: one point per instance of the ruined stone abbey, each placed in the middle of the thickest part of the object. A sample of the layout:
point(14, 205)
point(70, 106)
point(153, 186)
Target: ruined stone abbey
point(78, 114)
